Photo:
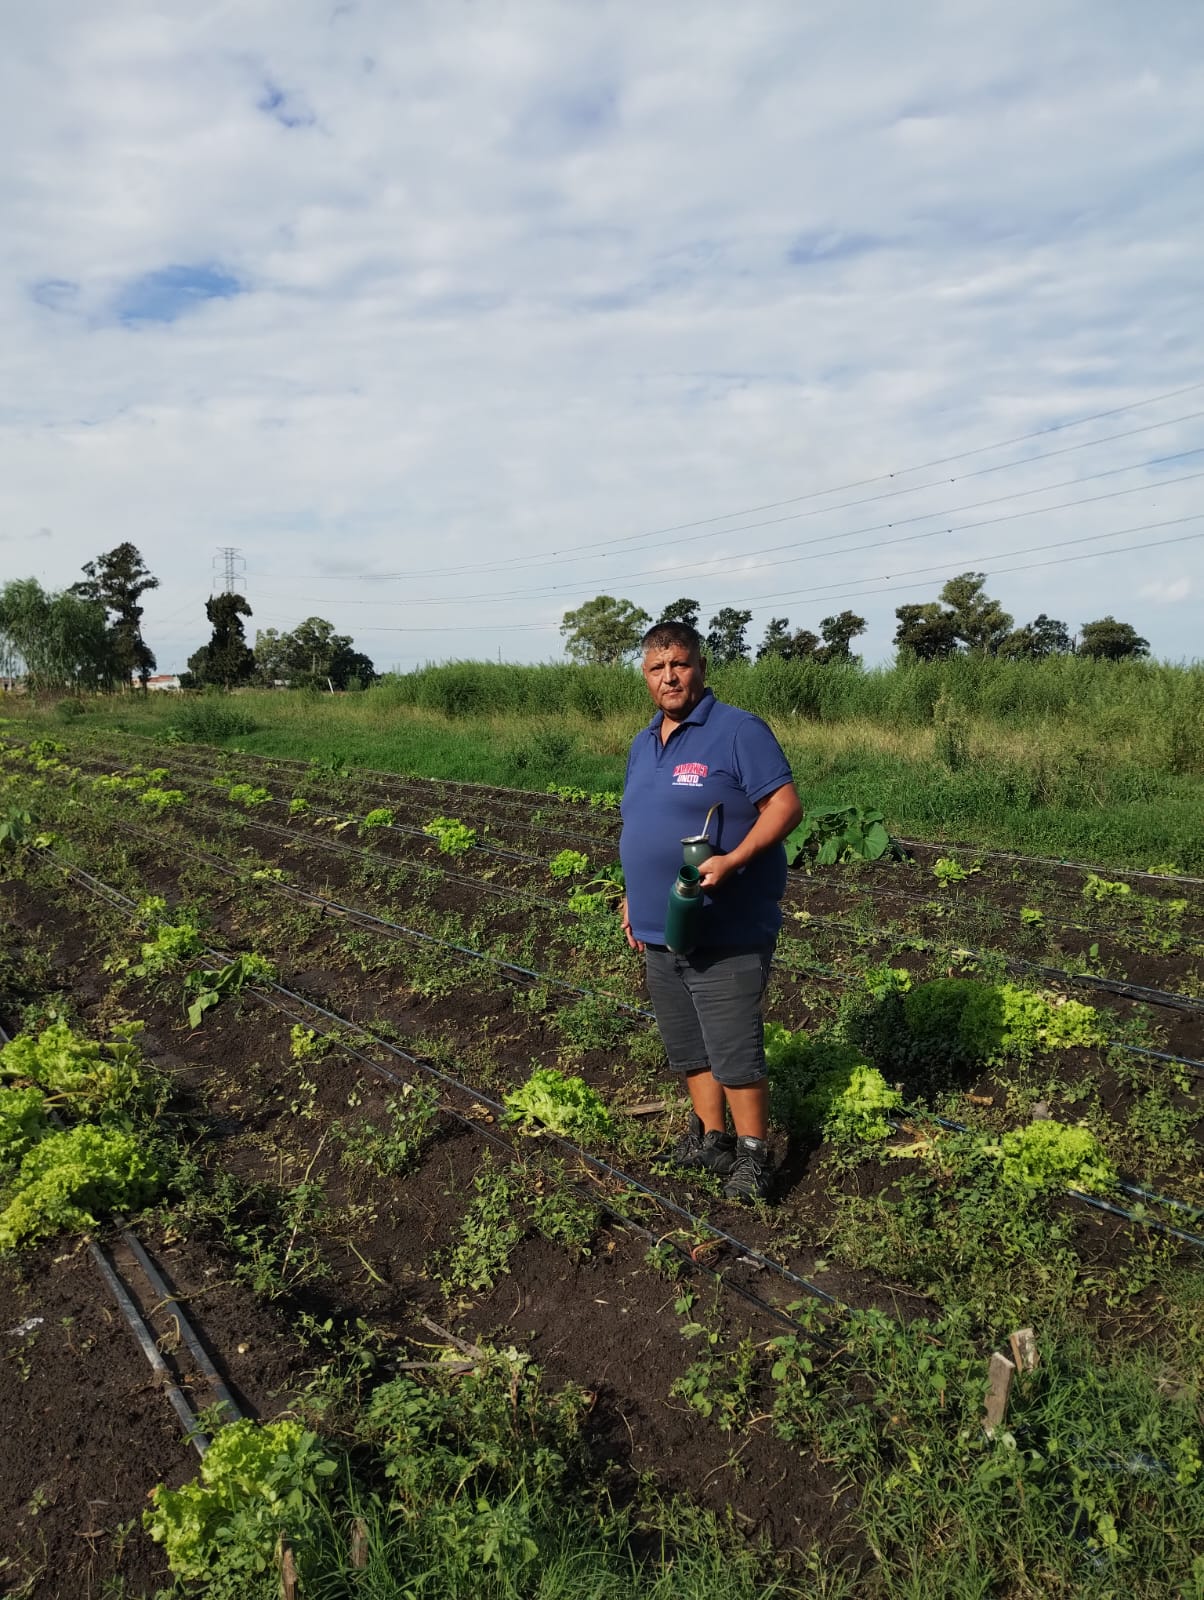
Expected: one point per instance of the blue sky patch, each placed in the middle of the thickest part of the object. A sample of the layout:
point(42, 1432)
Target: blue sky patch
point(831, 245)
point(283, 107)
point(170, 292)
point(57, 294)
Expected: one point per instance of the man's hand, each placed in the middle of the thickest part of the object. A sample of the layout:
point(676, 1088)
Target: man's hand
point(777, 814)
point(635, 943)
point(713, 871)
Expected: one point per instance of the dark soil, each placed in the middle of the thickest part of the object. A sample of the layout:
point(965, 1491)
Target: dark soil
point(77, 1476)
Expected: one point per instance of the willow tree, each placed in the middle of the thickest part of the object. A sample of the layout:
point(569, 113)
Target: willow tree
point(56, 641)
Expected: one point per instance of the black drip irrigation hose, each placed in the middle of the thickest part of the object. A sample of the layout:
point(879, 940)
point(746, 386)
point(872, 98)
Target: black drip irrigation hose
point(146, 1340)
point(1048, 861)
point(1125, 990)
point(354, 913)
point(1194, 1066)
point(1119, 987)
point(150, 1350)
point(1119, 1211)
point(744, 1252)
point(882, 891)
point(317, 841)
point(701, 1224)
point(535, 794)
point(117, 898)
point(168, 1301)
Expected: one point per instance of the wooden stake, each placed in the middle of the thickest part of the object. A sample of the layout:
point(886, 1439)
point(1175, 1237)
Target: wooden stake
point(359, 1544)
point(1024, 1350)
point(288, 1569)
point(999, 1382)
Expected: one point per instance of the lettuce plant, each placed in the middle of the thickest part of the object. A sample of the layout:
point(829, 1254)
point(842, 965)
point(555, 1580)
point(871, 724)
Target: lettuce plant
point(1051, 1155)
point(568, 1106)
point(255, 1480)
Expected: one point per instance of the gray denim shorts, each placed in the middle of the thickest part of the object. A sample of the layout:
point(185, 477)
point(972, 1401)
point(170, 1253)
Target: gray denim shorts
point(708, 1009)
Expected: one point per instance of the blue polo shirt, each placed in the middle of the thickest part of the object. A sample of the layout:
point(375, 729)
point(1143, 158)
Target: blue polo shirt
point(720, 756)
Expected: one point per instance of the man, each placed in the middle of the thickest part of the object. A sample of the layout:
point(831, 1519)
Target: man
point(697, 754)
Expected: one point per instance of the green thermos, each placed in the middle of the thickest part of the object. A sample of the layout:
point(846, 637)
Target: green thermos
point(683, 911)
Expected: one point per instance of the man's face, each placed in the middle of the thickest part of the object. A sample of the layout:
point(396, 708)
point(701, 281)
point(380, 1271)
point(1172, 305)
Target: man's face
point(676, 679)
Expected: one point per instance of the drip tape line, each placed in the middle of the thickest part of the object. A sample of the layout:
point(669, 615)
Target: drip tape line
point(146, 1341)
point(1049, 861)
point(1195, 1066)
point(745, 1251)
point(626, 1178)
point(221, 1393)
point(311, 898)
point(144, 1335)
point(1118, 987)
point(312, 841)
point(1129, 1188)
point(150, 1349)
point(534, 794)
point(445, 944)
point(207, 775)
point(883, 891)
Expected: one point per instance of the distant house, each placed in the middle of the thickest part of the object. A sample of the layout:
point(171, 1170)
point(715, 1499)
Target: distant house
point(12, 685)
point(163, 680)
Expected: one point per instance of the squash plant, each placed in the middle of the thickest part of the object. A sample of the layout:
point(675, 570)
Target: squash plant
point(841, 833)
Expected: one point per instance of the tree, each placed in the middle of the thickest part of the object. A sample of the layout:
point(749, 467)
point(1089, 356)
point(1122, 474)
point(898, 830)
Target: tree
point(927, 631)
point(978, 621)
point(1109, 640)
point(725, 636)
point(312, 656)
point(59, 641)
point(777, 638)
point(604, 631)
point(801, 645)
point(1044, 636)
point(117, 580)
point(838, 633)
point(227, 659)
point(681, 611)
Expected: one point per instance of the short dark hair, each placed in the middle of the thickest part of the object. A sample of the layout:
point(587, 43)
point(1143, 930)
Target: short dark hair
point(664, 634)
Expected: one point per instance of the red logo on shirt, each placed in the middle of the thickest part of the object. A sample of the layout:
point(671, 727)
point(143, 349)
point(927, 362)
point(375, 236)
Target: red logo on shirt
point(689, 774)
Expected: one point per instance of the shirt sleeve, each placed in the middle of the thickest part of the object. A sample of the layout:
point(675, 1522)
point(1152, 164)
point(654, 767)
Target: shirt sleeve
point(760, 761)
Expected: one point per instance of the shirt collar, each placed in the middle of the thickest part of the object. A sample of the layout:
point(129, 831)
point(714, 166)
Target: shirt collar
point(698, 716)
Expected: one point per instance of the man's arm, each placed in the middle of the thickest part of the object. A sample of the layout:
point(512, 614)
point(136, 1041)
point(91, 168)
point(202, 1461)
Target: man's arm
point(779, 814)
point(625, 919)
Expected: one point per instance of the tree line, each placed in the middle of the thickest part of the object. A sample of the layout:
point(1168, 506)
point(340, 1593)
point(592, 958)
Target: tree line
point(88, 637)
point(605, 631)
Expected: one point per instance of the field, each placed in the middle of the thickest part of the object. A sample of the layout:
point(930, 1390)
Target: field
point(529, 1358)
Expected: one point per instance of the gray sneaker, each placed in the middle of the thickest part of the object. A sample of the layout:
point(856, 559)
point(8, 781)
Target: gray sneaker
point(714, 1150)
point(751, 1176)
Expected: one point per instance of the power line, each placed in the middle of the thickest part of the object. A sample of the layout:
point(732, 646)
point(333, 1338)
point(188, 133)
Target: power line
point(763, 601)
point(506, 597)
point(541, 558)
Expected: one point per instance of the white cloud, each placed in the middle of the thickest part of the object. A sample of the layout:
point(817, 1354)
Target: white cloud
point(1167, 591)
point(473, 284)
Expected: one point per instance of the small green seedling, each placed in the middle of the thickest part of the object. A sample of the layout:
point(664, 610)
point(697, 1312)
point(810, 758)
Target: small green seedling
point(947, 871)
point(568, 863)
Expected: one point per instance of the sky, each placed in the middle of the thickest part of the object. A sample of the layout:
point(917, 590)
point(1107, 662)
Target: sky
point(450, 316)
